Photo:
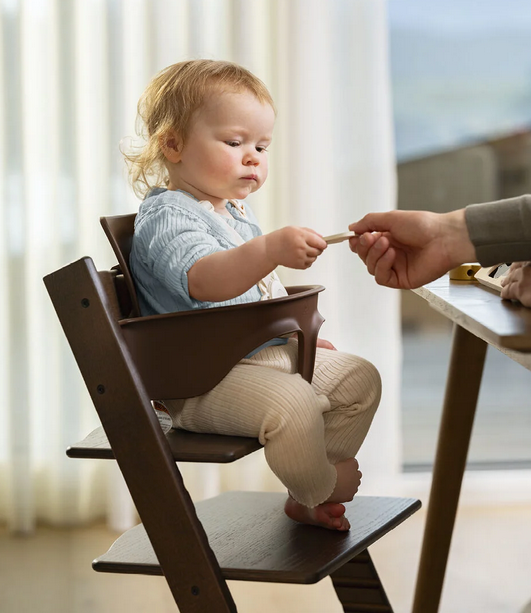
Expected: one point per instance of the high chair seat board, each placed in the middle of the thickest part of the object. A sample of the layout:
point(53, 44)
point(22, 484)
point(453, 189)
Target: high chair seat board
point(185, 447)
point(253, 540)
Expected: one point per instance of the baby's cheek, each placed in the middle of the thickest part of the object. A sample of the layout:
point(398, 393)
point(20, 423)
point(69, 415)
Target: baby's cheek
point(219, 168)
point(227, 164)
point(264, 166)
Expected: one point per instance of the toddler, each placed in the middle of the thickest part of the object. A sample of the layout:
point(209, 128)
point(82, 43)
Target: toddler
point(197, 245)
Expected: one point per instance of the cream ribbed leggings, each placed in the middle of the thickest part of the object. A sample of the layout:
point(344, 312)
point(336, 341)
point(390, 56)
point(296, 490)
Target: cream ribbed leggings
point(305, 428)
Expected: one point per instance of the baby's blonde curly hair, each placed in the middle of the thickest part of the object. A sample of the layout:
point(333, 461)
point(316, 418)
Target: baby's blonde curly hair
point(168, 104)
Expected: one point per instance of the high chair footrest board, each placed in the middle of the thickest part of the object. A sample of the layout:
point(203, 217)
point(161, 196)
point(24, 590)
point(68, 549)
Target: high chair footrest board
point(185, 446)
point(254, 540)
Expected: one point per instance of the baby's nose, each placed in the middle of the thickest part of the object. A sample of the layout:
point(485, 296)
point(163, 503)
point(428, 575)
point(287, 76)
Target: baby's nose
point(252, 158)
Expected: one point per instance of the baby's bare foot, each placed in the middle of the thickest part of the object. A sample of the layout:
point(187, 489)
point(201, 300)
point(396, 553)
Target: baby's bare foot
point(329, 515)
point(348, 481)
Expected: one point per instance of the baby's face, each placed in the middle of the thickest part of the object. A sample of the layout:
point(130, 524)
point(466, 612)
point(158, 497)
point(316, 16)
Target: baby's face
point(225, 155)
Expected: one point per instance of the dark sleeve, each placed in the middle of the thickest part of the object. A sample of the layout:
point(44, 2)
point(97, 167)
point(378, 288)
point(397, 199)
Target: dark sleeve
point(501, 231)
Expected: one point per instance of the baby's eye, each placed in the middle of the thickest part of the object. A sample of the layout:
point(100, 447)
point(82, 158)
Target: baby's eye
point(261, 149)
point(232, 143)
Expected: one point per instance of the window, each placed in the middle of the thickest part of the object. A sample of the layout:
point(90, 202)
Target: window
point(461, 71)
point(461, 77)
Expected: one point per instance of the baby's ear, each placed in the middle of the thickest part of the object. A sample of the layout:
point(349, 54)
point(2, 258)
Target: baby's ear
point(171, 146)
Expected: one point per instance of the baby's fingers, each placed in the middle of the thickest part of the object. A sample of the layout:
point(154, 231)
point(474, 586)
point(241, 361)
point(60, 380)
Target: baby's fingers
point(312, 252)
point(308, 261)
point(313, 239)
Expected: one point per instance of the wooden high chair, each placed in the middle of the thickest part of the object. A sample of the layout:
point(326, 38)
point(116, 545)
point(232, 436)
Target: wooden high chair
point(126, 360)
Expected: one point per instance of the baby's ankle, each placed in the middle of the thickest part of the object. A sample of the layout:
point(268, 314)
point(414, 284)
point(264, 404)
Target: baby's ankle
point(348, 481)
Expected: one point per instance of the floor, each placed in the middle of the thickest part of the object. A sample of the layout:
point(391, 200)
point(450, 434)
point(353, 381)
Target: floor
point(489, 572)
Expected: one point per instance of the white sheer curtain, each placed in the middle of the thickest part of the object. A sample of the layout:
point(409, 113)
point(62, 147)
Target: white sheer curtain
point(72, 73)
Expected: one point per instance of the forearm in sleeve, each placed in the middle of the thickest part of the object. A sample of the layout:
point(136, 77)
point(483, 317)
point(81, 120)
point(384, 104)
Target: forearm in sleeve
point(501, 231)
point(227, 274)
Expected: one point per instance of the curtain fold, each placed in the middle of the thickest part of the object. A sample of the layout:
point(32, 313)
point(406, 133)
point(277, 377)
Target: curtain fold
point(72, 73)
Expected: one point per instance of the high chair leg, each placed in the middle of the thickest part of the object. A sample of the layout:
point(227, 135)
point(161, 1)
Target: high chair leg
point(359, 588)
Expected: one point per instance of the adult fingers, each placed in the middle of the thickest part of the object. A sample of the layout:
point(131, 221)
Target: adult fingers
point(365, 243)
point(384, 274)
point(353, 243)
point(514, 275)
point(510, 275)
point(517, 285)
point(380, 246)
point(509, 291)
point(511, 284)
point(370, 223)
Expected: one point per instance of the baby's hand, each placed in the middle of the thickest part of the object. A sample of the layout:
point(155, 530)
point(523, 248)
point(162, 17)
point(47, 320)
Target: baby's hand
point(294, 247)
point(324, 344)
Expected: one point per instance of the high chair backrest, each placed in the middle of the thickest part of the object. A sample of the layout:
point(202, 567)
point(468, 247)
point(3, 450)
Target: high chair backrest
point(119, 230)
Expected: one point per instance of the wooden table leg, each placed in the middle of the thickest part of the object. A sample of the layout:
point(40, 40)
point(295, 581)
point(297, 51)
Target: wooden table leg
point(462, 390)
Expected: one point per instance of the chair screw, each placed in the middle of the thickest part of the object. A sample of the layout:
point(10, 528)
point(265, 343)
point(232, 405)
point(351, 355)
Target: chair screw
point(100, 389)
point(195, 590)
point(85, 303)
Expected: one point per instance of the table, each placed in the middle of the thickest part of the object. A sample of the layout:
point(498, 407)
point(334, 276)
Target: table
point(480, 319)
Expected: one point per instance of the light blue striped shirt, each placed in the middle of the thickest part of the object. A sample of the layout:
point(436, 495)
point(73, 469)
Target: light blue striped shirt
point(172, 232)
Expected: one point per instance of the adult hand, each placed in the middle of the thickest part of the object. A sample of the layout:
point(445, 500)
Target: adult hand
point(294, 247)
point(406, 249)
point(516, 284)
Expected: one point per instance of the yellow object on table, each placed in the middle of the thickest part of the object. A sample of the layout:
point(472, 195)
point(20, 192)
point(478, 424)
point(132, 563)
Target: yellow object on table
point(465, 272)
